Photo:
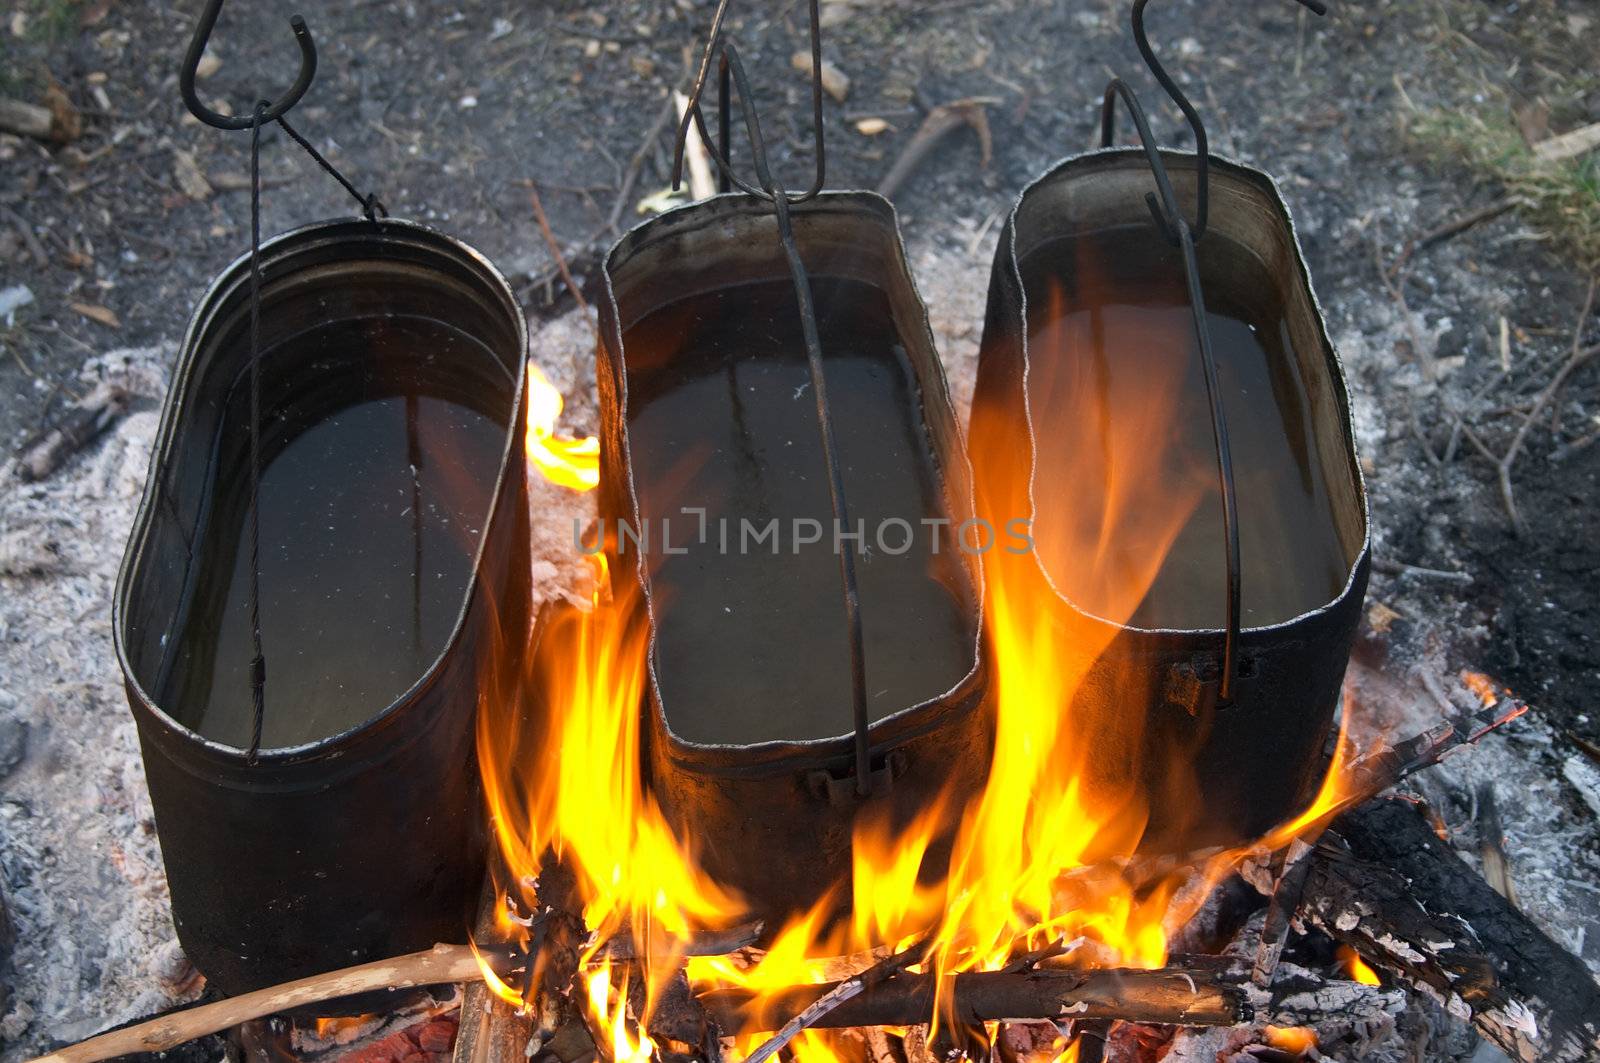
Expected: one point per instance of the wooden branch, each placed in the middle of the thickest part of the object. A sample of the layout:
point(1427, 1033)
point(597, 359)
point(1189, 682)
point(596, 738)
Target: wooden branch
point(1579, 141)
point(95, 413)
point(1164, 997)
point(621, 946)
point(1383, 895)
point(27, 119)
point(1370, 775)
point(940, 123)
point(1197, 994)
point(440, 964)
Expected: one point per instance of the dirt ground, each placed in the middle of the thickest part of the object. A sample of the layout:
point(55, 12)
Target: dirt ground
point(447, 110)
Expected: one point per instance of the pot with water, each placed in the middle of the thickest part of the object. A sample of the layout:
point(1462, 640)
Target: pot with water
point(710, 442)
point(1092, 418)
point(393, 555)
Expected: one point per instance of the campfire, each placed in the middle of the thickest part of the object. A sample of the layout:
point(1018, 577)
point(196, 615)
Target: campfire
point(873, 730)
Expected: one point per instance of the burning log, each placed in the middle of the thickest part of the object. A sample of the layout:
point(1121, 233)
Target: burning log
point(1199, 995)
point(1485, 960)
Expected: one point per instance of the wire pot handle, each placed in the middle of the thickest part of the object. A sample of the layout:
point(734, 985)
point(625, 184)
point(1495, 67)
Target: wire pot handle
point(1172, 222)
point(732, 70)
point(727, 56)
point(1202, 146)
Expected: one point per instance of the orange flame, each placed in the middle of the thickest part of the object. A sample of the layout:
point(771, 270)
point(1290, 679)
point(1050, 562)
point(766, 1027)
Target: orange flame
point(573, 463)
point(608, 1011)
point(1358, 969)
point(1045, 853)
point(1296, 1039)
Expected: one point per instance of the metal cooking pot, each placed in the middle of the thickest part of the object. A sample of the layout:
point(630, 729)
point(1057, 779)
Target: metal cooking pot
point(706, 417)
point(393, 400)
point(1223, 753)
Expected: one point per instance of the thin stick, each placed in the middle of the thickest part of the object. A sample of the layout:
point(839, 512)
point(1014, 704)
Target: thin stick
point(1394, 280)
point(1400, 568)
point(631, 176)
point(702, 185)
point(561, 259)
point(941, 121)
point(438, 965)
point(1503, 462)
point(835, 998)
point(1453, 227)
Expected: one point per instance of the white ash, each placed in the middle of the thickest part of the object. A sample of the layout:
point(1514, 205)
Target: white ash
point(82, 871)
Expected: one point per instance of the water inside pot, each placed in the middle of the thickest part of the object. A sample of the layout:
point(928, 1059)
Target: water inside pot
point(751, 639)
point(1116, 383)
point(378, 473)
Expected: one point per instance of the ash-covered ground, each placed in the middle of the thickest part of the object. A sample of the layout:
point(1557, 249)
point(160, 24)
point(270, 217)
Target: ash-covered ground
point(1370, 119)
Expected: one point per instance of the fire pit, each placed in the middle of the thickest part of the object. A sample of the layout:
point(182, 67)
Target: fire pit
point(1054, 783)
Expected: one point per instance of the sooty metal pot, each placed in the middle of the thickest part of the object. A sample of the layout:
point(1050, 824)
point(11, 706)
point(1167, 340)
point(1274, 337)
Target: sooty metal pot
point(708, 420)
point(356, 834)
point(1079, 264)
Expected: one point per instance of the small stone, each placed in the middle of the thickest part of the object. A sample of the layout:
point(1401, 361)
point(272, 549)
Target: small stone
point(190, 180)
point(871, 127)
point(13, 299)
point(835, 82)
point(209, 64)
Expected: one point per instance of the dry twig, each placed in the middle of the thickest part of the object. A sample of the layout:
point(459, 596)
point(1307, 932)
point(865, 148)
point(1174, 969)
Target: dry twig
point(630, 176)
point(941, 121)
point(438, 965)
point(561, 259)
point(1445, 230)
point(1503, 462)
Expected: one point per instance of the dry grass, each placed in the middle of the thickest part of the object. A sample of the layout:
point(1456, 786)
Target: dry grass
point(1470, 118)
point(1560, 198)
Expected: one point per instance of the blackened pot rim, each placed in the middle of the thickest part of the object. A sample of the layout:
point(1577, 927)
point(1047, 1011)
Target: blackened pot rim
point(331, 231)
point(910, 721)
point(1220, 165)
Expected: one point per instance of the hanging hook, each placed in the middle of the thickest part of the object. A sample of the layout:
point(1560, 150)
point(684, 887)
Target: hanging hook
point(716, 46)
point(1201, 145)
point(277, 108)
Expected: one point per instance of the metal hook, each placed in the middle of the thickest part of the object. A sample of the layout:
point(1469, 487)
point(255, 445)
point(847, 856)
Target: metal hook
point(717, 46)
point(277, 108)
point(1172, 222)
point(1201, 145)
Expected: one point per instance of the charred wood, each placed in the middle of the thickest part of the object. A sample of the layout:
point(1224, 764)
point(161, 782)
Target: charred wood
point(1214, 994)
point(1410, 906)
point(84, 423)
